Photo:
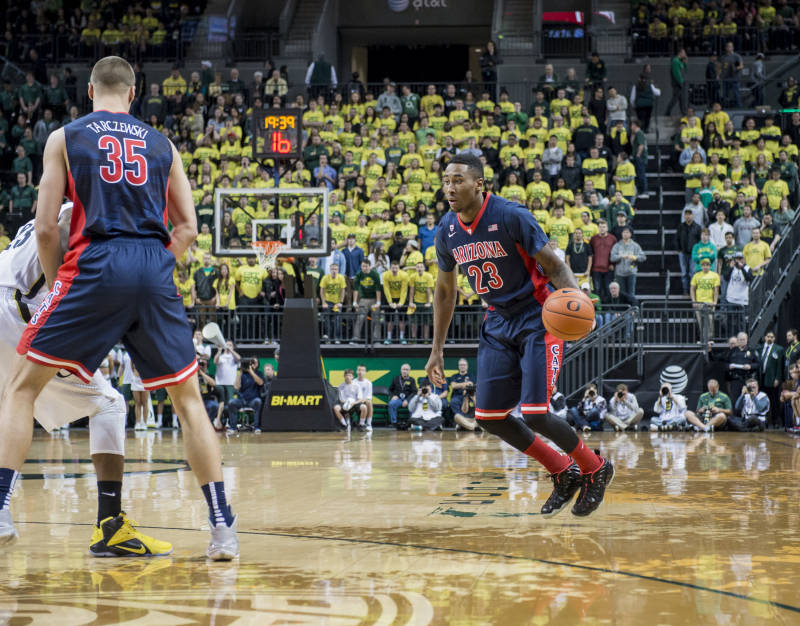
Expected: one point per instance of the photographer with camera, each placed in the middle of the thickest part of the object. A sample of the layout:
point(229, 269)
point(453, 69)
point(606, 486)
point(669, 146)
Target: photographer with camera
point(425, 409)
point(670, 410)
point(623, 409)
point(465, 415)
point(590, 413)
point(212, 396)
point(751, 409)
point(458, 383)
point(713, 409)
point(248, 393)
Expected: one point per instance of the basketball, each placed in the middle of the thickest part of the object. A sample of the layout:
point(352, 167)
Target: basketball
point(568, 314)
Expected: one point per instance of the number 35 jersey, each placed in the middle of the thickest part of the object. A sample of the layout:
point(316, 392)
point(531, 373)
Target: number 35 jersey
point(118, 173)
point(496, 253)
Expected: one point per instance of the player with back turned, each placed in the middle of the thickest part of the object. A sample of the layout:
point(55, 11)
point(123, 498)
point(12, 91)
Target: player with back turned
point(504, 253)
point(126, 181)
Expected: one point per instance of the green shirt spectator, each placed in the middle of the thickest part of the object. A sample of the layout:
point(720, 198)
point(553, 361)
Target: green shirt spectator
point(367, 284)
point(23, 196)
point(719, 400)
point(703, 249)
point(9, 99)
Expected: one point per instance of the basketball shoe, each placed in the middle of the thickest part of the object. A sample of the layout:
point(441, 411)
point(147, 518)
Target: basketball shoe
point(565, 484)
point(224, 544)
point(593, 488)
point(8, 534)
point(117, 537)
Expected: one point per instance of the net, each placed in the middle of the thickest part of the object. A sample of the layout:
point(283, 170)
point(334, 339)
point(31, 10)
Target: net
point(267, 252)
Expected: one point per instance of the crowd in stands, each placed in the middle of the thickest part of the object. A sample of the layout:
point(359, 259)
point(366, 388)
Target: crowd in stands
point(576, 158)
point(704, 27)
point(46, 32)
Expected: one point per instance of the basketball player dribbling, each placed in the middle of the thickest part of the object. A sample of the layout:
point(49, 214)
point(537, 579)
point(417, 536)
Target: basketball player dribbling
point(504, 253)
point(65, 398)
point(125, 180)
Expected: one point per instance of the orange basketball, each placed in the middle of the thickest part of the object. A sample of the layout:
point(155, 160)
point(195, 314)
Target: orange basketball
point(568, 314)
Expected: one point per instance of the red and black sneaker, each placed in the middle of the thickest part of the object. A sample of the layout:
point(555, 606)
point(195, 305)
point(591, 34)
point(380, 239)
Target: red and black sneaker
point(594, 488)
point(565, 484)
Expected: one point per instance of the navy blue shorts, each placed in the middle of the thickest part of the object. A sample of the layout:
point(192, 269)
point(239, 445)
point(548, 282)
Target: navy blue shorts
point(518, 362)
point(108, 290)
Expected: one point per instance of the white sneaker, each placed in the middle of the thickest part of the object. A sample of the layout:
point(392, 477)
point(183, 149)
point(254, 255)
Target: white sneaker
point(369, 428)
point(140, 426)
point(224, 544)
point(8, 533)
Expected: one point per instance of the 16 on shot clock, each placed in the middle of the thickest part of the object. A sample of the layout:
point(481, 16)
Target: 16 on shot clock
point(277, 134)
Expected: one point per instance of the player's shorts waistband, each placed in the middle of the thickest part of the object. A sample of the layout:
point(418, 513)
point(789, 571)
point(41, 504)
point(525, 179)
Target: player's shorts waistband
point(514, 308)
point(128, 240)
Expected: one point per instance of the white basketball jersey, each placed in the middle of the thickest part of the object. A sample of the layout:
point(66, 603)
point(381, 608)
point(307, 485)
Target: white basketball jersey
point(20, 269)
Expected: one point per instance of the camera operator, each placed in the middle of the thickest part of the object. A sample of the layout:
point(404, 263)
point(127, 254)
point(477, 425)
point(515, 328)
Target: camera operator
point(425, 409)
point(591, 411)
point(212, 397)
point(670, 409)
point(465, 415)
point(623, 409)
point(248, 387)
point(751, 409)
point(713, 409)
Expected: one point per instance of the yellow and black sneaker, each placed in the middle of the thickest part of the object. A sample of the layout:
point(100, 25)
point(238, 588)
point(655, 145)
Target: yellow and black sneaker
point(118, 537)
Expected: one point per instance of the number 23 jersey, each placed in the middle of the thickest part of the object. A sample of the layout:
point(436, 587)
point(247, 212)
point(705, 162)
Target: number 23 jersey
point(496, 253)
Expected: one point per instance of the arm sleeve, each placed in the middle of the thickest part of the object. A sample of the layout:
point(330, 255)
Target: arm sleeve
point(614, 256)
point(525, 230)
point(403, 293)
point(436, 403)
point(444, 257)
point(412, 405)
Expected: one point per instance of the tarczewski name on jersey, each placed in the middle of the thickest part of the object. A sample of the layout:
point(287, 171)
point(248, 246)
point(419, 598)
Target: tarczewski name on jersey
point(478, 251)
point(104, 126)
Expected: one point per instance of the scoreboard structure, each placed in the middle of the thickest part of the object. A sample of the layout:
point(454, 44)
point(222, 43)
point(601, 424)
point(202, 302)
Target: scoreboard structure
point(277, 134)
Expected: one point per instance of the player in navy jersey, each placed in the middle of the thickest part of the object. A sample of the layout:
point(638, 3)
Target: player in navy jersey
point(504, 253)
point(126, 181)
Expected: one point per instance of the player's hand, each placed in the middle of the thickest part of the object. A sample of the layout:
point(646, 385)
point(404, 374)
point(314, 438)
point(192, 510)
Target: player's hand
point(435, 369)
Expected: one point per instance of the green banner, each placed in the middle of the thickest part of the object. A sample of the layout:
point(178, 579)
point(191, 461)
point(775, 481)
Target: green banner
point(379, 371)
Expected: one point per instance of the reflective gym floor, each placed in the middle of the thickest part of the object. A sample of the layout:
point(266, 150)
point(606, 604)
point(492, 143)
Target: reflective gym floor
point(402, 528)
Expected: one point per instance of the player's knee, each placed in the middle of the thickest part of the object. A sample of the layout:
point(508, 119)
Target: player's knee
point(107, 428)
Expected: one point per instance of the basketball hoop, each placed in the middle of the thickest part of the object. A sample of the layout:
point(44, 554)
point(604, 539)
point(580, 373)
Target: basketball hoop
point(267, 252)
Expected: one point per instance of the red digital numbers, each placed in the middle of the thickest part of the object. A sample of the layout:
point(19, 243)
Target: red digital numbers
point(134, 167)
point(494, 281)
point(280, 144)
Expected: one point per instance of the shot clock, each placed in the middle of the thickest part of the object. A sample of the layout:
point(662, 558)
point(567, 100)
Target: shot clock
point(277, 134)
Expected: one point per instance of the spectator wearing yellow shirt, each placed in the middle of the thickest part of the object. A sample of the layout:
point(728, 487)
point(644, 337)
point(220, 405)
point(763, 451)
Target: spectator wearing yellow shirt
point(595, 169)
point(225, 287)
point(411, 257)
point(560, 227)
point(185, 286)
point(174, 84)
point(512, 190)
point(431, 99)
point(704, 290)
point(331, 293)
point(421, 296)
point(395, 288)
point(757, 253)
point(250, 282)
point(541, 214)
point(537, 188)
point(775, 189)
point(625, 177)
point(693, 174)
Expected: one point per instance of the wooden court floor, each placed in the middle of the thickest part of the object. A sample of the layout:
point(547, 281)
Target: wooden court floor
point(402, 528)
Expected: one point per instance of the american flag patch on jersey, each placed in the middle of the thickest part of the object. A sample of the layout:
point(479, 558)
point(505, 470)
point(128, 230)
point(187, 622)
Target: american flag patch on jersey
point(493, 228)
